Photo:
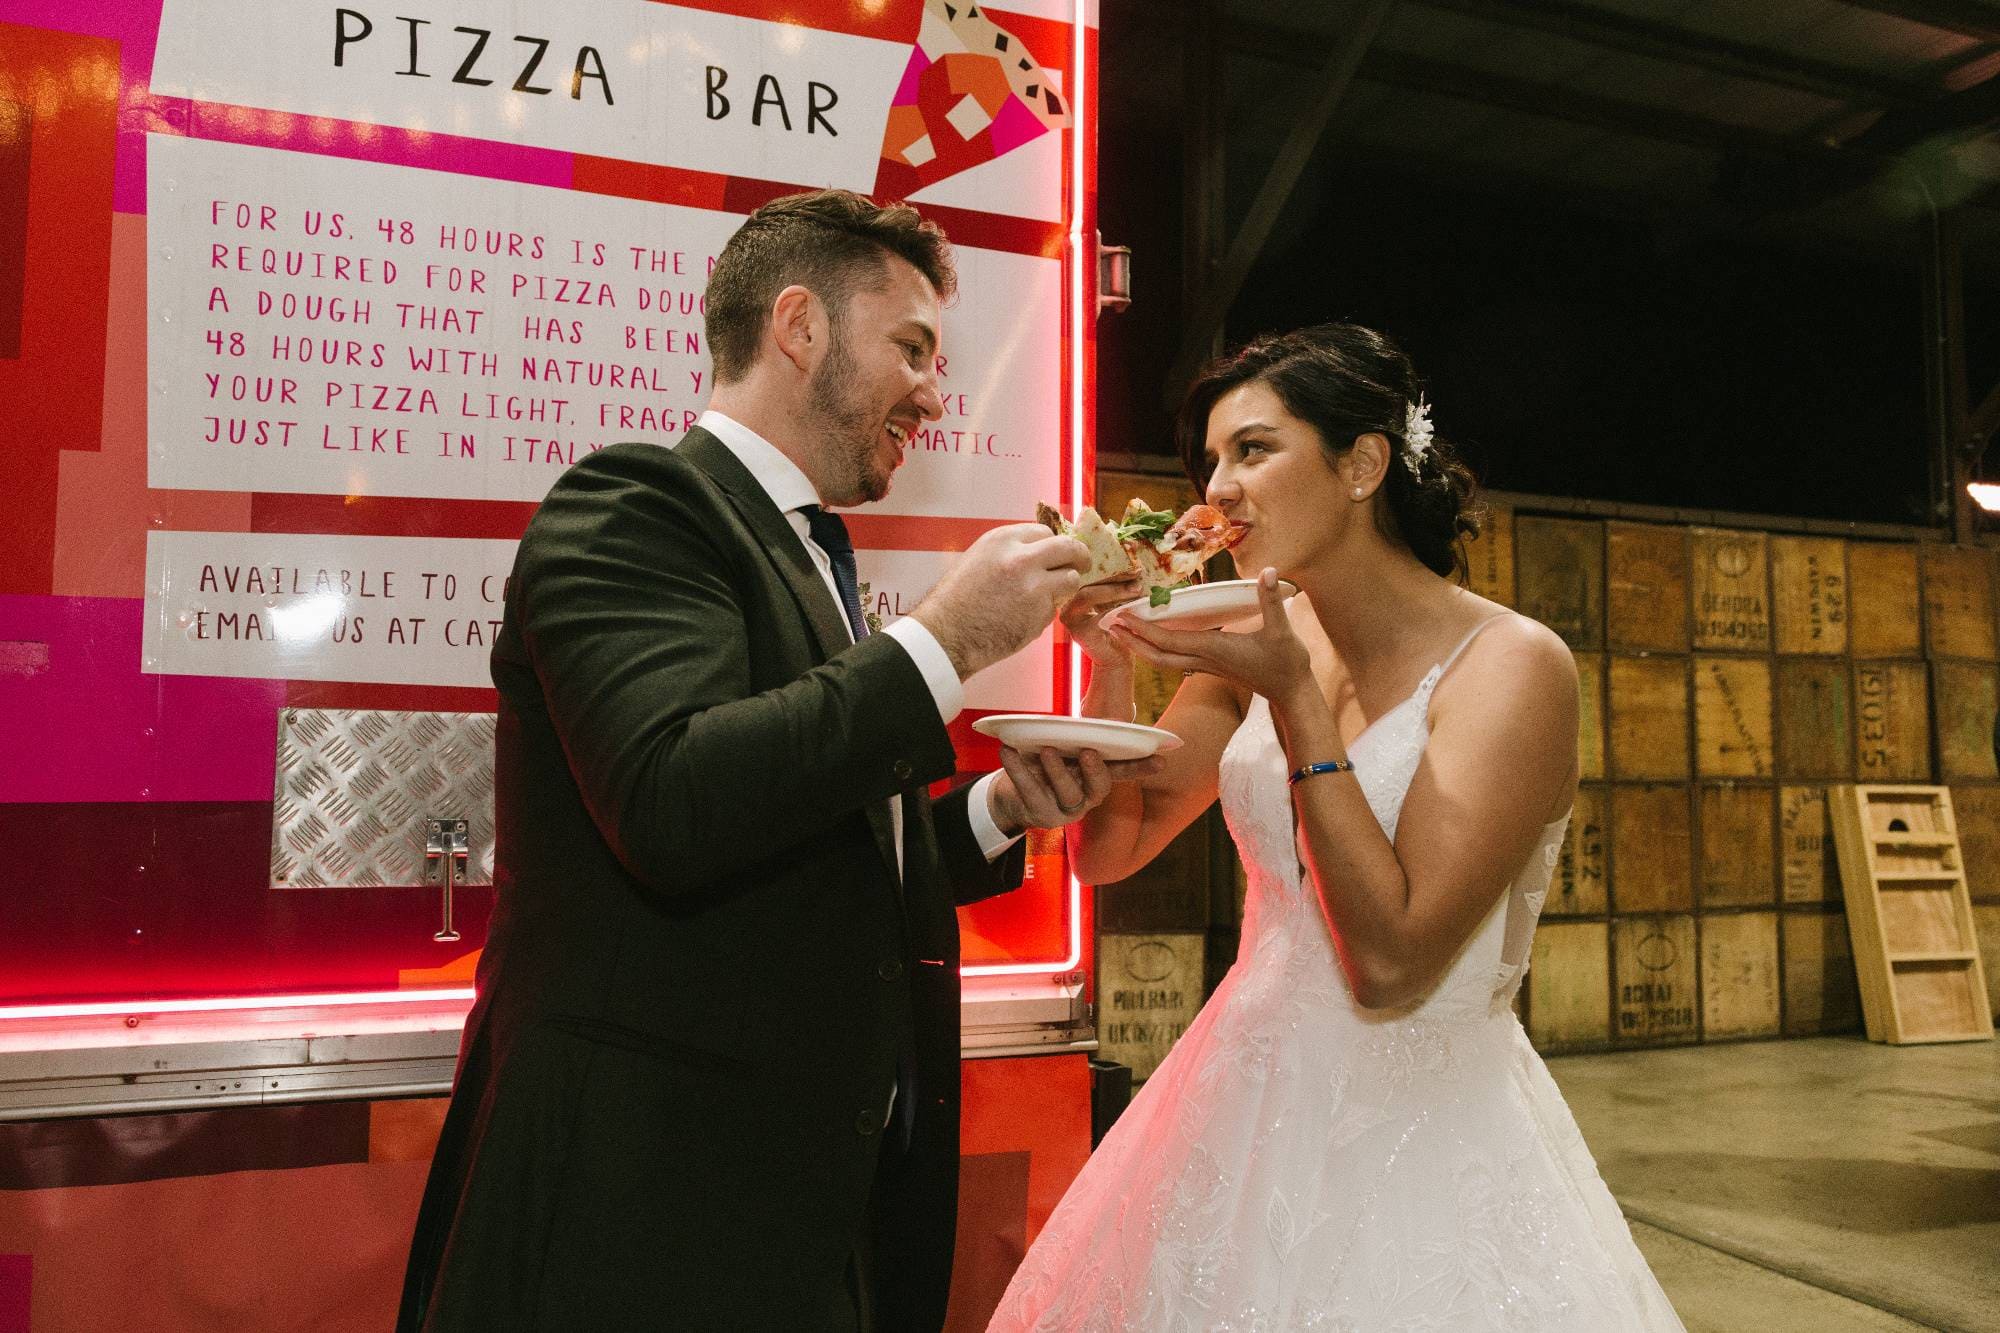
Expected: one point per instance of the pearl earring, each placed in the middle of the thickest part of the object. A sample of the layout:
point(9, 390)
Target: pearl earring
point(1357, 492)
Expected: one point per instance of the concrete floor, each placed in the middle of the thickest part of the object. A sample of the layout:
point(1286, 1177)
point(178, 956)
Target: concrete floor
point(1820, 1186)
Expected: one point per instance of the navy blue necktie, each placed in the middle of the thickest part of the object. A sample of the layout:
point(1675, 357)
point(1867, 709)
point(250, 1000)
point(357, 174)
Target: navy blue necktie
point(830, 534)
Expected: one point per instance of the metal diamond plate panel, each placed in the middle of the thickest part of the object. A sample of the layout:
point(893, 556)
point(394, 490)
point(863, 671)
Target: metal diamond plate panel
point(355, 786)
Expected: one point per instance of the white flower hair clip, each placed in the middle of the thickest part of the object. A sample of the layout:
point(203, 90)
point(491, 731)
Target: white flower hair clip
point(1417, 433)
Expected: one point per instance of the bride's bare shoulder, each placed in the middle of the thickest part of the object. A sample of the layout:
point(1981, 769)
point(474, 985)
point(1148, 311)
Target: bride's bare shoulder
point(1513, 657)
point(1520, 636)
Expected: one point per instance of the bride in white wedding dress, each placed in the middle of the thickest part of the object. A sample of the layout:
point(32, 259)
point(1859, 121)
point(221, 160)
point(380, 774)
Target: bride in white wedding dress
point(1354, 1134)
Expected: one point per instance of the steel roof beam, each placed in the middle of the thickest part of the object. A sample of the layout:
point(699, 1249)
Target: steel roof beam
point(1877, 149)
point(1337, 68)
point(1634, 35)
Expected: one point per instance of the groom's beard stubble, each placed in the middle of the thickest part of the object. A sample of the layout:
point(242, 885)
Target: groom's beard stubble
point(843, 420)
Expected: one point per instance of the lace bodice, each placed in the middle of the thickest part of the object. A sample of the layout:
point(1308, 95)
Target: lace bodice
point(1281, 908)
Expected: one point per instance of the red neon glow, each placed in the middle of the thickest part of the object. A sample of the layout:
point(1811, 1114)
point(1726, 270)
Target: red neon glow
point(101, 1008)
point(1082, 247)
point(168, 958)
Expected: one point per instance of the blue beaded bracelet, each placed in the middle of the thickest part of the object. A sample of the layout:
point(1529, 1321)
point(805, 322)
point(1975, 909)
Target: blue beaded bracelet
point(1313, 770)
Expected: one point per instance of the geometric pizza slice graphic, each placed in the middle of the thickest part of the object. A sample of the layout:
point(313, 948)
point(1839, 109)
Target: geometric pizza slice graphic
point(971, 92)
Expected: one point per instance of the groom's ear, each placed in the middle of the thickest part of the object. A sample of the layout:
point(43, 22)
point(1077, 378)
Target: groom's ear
point(1367, 461)
point(798, 331)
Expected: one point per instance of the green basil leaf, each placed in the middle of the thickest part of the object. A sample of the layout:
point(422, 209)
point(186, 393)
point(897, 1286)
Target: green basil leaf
point(1150, 525)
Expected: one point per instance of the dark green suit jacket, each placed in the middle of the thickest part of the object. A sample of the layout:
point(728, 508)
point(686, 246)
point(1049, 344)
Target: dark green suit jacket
point(702, 977)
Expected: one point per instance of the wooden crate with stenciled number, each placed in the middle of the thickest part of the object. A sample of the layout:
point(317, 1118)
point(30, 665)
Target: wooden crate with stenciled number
point(1808, 660)
point(1149, 988)
point(1892, 734)
point(1807, 870)
point(1653, 972)
point(1581, 883)
point(1809, 595)
point(1732, 589)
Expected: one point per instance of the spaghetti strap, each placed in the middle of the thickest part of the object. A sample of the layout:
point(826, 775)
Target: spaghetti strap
point(1466, 642)
point(1436, 673)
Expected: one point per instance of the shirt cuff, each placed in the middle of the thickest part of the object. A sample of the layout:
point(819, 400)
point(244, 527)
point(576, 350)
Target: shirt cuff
point(985, 832)
point(947, 691)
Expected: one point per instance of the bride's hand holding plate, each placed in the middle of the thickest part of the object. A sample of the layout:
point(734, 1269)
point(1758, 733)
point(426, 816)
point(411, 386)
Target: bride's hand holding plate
point(1084, 614)
point(1270, 660)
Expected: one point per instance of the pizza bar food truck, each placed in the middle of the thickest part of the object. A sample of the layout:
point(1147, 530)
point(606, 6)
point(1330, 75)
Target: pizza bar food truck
point(303, 307)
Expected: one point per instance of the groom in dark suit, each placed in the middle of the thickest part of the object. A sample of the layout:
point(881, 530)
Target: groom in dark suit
point(711, 1080)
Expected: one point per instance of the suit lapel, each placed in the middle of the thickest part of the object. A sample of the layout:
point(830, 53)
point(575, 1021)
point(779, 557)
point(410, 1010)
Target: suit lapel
point(775, 534)
point(782, 546)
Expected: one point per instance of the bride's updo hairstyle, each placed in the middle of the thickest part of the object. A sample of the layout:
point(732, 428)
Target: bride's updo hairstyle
point(1346, 381)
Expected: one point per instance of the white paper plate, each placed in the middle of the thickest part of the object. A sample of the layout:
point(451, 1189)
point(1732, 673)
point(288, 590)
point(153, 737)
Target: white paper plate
point(1030, 732)
point(1205, 605)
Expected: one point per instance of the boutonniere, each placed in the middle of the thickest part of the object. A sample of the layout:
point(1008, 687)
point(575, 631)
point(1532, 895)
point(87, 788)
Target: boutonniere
point(868, 614)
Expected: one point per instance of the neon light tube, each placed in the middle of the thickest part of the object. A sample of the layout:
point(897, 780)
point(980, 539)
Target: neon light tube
point(116, 1007)
point(1083, 268)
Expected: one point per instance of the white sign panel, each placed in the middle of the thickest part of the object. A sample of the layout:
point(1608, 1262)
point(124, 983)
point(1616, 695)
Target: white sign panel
point(325, 326)
point(293, 606)
point(615, 78)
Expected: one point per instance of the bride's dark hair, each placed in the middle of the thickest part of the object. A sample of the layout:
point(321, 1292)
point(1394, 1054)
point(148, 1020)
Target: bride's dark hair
point(1346, 381)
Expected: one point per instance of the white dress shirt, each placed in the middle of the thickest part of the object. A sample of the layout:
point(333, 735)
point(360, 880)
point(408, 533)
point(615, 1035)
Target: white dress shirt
point(790, 489)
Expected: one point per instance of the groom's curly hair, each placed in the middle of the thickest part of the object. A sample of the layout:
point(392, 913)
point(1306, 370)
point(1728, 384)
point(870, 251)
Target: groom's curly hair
point(1346, 381)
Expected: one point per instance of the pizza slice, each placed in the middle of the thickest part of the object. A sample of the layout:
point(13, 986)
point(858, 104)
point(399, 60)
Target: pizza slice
point(1108, 557)
point(1166, 552)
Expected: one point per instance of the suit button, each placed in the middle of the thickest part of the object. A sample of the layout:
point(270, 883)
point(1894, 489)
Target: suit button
point(890, 970)
point(867, 1123)
point(903, 771)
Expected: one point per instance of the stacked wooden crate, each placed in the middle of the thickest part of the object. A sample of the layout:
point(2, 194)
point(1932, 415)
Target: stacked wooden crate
point(1959, 615)
point(1728, 676)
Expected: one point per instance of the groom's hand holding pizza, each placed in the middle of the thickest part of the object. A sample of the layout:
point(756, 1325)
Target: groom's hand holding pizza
point(991, 603)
